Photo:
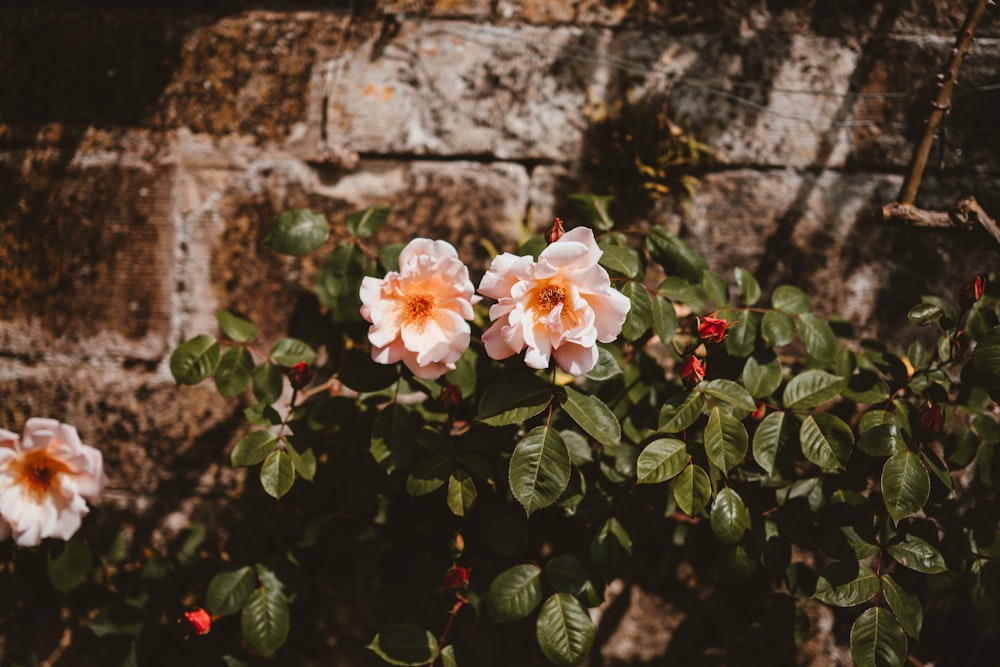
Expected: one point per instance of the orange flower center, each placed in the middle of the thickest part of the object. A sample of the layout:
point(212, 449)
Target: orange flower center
point(549, 297)
point(38, 472)
point(419, 307)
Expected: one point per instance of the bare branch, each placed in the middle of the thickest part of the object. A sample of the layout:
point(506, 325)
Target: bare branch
point(966, 214)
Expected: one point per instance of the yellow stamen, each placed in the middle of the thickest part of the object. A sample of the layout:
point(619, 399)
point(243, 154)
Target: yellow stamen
point(418, 308)
point(38, 472)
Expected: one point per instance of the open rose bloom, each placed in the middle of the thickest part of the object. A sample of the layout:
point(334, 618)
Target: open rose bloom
point(419, 314)
point(44, 478)
point(559, 306)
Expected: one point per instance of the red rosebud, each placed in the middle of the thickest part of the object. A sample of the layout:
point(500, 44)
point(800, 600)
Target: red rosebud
point(962, 340)
point(457, 545)
point(712, 329)
point(555, 231)
point(931, 417)
point(300, 375)
point(972, 291)
point(451, 396)
point(692, 372)
point(199, 620)
point(759, 413)
point(456, 579)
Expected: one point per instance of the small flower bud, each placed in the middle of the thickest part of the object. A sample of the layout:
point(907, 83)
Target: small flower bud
point(931, 418)
point(712, 329)
point(300, 375)
point(456, 579)
point(451, 396)
point(759, 413)
point(692, 372)
point(555, 231)
point(457, 545)
point(199, 620)
point(972, 291)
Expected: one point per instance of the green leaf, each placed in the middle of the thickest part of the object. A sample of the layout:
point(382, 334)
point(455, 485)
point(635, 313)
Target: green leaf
point(772, 442)
point(513, 399)
point(268, 383)
point(640, 315)
point(741, 334)
point(388, 256)
point(366, 223)
point(749, 287)
point(236, 327)
point(675, 256)
point(290, 351)
point(539, 469)
point(564, 630)
point(811, 388)
point(304, 461)
point(917, 554)
point(882, 440)
point(619, 259)
point(593, 208)
point(925, 313)
point(716, 288)
point(685, 415)
point(664, 319)
point(906, 606)
point(729, 516)
point(606, 367)
point(406, 645)
point(817, 337)
point(461, 493)
point(253, 448)
point(195, 360)
point(877, 639)
point(777, 328)
point(985, 358)
point(298, 232)
point(567, 574)
point(906, 484)
point(593, 416)
point(429, 475)
point(70, 568)
point(229, 591)
point(790, 299)
point(726, 440)
point(826, 441)
point(846, 543)
point(277, 474)
point(265, 620)
point(732, 393)
point(692, 489)
point(234, 372)
point(846, 584)
point(578, 446)
point(660, 460)
point(338, 282)
point(514, 593)
point(762, 374)
point(448, 657)
point(610, 549)
point(394, 437)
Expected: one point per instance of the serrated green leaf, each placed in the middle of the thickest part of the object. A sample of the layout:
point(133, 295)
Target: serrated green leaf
point(846, 543)
point(298, 232)
point(619, 259)
point(675, 256)
point(290, 351)
point(882, 440)
point(268, 383)
point(729, 517)
point(692, 489)
point(265, 620)
point(70, 568)
point(592, 415)
point(716, 288)
point(726, 440)
point(514, 593)
point(406, 645)
point(236, 327)
point(640, 314)
point(917, 554)
point(564, 630)
point(749, 287)
point(195, 360)
point(732, 393)
point(664, 319)
point(606, 367)
point(741, 334)
point(253, 448)
point(906, 484)
point(777, 328)
point(461, 493)
point(394, 437)
point(234, 372)
point(906, 606)
point(539, 469)
point(229, 591)
point(826, 441)
point(817, 337)
point(368, 222)
point(790, 299)
point(846, 584)
point(277, 474)
point(429, 475)
point(811, 388)
point(660, 460)
point(684, 416)
point(513, 399)
point(762, 374)
point(877, 639)
point(304, 461)
point(594, 208)
point(610, 549)
point(567, 574)
point(772, 442)
point(925, 313)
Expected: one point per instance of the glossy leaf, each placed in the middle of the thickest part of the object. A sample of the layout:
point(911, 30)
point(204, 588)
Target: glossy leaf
point(277, 474)
point(925, 313)
point(514, 593)
point(741, 333)
point(564, 630)
point(394, 437)
point(513, 399)
point(749, 287)
point(236, 327)
point(268, 383)
point(265, 620)
point(877, 639)
point(366, 223)
point(726, 440)
point(606, 367)
point(195, 360)
point(675, 256)
point(610, 549)
point(290, 351)
point(620, 259)
point(730, 392)
point(846, 584)
point(229, 591)
point(594, 208)
point(304, 462)
point(986, 359)
point(773, 440)
point(847, 543)
point(664, 319)
point(406, 645)
point(817, 337)
point(685, 415)
point(567, 574)
point(906, 606)
point(429, 475)
point(640, 314)
point(298, 232)
point(539, 469)
point(790, 299)
point(461, 493)
point(729, 517)
point(234, 372)
point(593, 416)
point(761, 375)
point(692, 489)
point(882, 440)
point(777, 328)
point(70, 568)
point(811, 388)
point(716, 288)
point(906, 485)
point(253, 448)
point(660, 460)
point(917, 554)
point(826, 440)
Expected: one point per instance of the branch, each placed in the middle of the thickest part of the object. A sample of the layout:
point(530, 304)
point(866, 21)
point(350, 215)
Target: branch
point(942, 103)
point(965, 214)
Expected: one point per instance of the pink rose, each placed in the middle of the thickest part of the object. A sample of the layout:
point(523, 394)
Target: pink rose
point(561, 305)
point(419, 314)
point(44, 479)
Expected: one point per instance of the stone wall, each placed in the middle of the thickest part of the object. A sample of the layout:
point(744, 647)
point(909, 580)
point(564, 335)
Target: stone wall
point(144, 153)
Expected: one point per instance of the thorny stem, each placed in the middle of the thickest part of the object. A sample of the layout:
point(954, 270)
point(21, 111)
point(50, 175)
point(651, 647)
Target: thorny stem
point(942, 103)
point(451, 619)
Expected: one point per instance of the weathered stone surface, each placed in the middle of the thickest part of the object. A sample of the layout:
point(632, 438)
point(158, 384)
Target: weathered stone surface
point(477, 9)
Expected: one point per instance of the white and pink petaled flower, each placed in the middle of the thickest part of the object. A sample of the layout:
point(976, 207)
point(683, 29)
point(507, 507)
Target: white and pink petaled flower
point(559, 306)
point(44, 480)
point(419, 313)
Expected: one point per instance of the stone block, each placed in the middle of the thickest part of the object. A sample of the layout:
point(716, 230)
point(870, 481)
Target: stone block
point(474, 9)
